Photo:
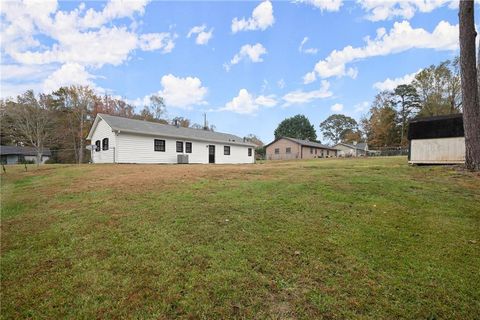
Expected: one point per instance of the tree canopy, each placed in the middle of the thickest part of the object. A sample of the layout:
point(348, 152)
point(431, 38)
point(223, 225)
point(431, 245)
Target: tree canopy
point(298, 127)
point(337, 127)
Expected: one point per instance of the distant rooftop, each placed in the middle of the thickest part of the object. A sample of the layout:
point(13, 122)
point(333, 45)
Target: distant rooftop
point(306, 143)
point(359, 146)
point(25, 151)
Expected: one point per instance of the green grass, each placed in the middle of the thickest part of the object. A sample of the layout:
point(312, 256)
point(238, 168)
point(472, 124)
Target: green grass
point(332, 239)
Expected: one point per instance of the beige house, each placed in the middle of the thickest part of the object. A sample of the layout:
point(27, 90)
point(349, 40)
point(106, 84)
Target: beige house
point(352, 150)
point(286, 148)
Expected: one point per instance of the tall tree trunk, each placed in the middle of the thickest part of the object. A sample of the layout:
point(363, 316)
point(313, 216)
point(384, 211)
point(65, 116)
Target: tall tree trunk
point(468, 69)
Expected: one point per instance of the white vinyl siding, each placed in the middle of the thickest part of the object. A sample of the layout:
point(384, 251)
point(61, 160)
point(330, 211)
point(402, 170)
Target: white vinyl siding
point(102, 131)
point(136, 148)
point(126, 147)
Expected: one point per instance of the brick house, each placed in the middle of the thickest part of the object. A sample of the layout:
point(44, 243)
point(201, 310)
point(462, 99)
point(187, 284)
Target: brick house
point(286, 148)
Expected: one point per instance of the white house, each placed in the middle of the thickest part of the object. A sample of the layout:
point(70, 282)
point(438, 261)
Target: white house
point(122, 140)
point(437, 140)
point(352, 150)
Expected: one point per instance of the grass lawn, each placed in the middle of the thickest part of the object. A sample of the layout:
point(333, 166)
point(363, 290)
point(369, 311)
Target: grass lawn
point(332, 239)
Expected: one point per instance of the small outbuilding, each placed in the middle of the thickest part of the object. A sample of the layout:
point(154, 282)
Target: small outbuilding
point(286, 148)
point(18, 154)
point(437, 140)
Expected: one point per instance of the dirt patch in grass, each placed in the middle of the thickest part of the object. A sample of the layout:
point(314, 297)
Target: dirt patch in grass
point(329, 238)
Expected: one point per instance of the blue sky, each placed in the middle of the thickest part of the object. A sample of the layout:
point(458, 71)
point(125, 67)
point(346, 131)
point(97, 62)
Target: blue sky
point(247, 64)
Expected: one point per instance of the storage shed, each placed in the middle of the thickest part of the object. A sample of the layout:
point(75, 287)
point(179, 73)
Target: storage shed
point(437, 140)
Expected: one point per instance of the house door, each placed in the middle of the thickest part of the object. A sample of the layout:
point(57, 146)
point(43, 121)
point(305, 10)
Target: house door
point(211, 154)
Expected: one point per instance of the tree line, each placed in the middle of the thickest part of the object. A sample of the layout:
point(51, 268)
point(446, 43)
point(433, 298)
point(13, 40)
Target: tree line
point(435, 90)
point(62, 119)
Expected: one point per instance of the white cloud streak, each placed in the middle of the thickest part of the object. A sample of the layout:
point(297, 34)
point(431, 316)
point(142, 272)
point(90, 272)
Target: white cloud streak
point(253, 53)
point(306, 50)
point(262, 18)
point(323, 5)
point(400, 38)
point(405, 9)
point(203, 36)
point(303, 97)
point(390, 84)
point(247, 103)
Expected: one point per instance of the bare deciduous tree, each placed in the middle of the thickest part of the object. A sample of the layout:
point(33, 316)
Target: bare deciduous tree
point(33, 121)
point(470, 92)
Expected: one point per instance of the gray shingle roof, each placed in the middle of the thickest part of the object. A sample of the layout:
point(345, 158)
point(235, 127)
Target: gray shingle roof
point(306, 143)
point(358, 146)
point(26, 151)
point(158, 129)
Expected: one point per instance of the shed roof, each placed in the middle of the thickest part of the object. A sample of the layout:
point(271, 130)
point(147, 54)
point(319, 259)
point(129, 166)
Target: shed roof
point(158, 129)
point(25, 151)
point(306, 143)
point(447, 126)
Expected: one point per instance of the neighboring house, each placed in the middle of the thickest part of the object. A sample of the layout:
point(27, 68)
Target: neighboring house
point(352, 150)
point(15, 155)
point(122, 140)
point(437, 140)
point(286, 148)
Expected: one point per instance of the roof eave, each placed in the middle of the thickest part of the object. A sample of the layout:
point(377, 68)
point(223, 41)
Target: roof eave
point(120, 130)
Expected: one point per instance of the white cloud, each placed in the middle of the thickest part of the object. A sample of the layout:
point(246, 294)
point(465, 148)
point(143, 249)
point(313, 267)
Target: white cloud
point(327, 5)
point(361, 107)
point(306, 50)
point(337, 107)
point(309, 77)
point(261, 19)
point(302, 97)
point(182, 92)
point(254, 53)
point(281, 83)
point(266, 101)
point(11, 90)
point(406, 9)
point(31, 72)
point(390, 84)
point(202, 36)
point(246, 103)
point(77, 37)
point(156, 41)
point(68, 74)
point(401, 37)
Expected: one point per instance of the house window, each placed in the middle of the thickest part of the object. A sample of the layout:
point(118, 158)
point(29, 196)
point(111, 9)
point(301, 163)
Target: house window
point(316, 151)
point(226, 150)
point(249, 152)
point(311, 150)
point(179, 146)
point(105, 144)
point(277, 151)
point(328, 152)
point(289, 150)
point(159, 145)
point(188, 147)
point(97, 145)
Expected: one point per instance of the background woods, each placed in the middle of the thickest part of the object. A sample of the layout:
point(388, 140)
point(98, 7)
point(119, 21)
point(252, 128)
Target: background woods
point(62, 119)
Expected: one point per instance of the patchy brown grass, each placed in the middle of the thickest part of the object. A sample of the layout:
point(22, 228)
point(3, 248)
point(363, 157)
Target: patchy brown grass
point(331, 239)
